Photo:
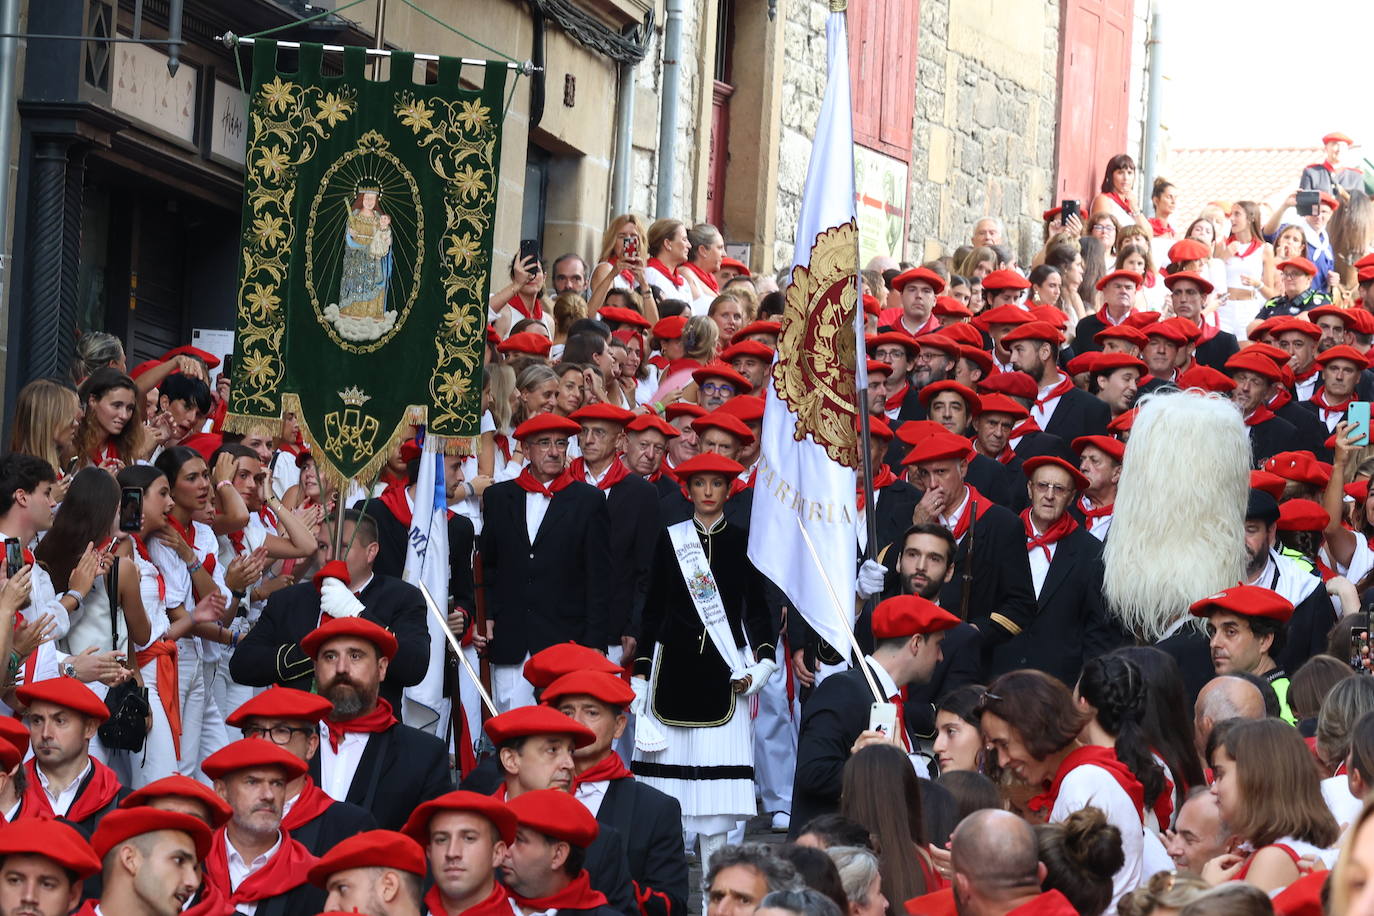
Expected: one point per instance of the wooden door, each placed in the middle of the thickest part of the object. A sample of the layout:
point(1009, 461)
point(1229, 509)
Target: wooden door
point(1094, 90)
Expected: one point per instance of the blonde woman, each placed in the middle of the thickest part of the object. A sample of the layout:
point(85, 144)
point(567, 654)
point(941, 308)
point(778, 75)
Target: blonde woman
point(47, 415)
point(699, 339)
point(567, 308)
point(497, 451)
point(620, 265)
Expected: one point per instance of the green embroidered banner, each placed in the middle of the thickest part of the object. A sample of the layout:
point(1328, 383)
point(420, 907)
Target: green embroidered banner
point(367, 224)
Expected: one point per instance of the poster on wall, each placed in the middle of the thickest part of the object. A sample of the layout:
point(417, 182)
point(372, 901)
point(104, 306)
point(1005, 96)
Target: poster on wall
point(880, 201)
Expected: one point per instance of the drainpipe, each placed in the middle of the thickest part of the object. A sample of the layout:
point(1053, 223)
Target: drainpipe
point(667, 121)
point(624, 141)
point(1154, 74)
point(9, 63)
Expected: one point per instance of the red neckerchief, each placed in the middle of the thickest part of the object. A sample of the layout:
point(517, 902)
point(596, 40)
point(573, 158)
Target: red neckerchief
point(1091, 755)
point(1119, 202)
point(883, 479)
point(99, 792)
point(188, 534)
point(1108, 321)
point(894, 401)
point(310, 804)
point(1259, 415)
point(530, 485)
point(1254, 243)
point(217, 416)
point(680, 364)
point(577, 470)
point(673, 276)
point(1053, 534)
point(607, 768)
point(1319, 398)
point(578, 895)
point(388, 479)
point(1091, 513)
point(704, 277)
point(1208, 332)
point(1307, 373)
point(379, 720)
point(142, 549)
point(1007, 453)
point(503, 443)
point(980, 506)
point(394, 498)
point(1280, 399)
point(267, 517)
point(108, 452)
point(237, 542)
point(1160, 228)
point(497, 903)
point(1025, 427)
point(898, 699)
point(281, 874)
point(625, 273)
point(1149, 281)
point(519, 305)
point(163, 653)
point(1064, 384)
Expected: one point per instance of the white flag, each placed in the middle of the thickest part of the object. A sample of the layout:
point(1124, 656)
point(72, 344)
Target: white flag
point(809, 446)
point(427, 562)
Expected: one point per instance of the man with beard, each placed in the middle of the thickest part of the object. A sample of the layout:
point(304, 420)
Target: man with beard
point(935, 359)
point(254, 865)
point(378, 873)
point(42, 866)
point(646, 445)
point(1059, 409)
point(1313, 612)
point(1115, 377)
point(466, 836)
point(366, 757)
point(151, 862)
point(907, 632)
point(1256, 377)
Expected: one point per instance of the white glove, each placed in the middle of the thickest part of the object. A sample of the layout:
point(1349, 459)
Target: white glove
point(759, 674)
point(337, 600)
point(872, 574)
point(648, 736)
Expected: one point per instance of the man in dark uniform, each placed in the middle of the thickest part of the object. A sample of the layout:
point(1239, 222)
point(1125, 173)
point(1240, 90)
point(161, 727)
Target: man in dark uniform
point(1116, 380)
point(1340, 369)
point(1118, 290)
point(898, 349)
point(1059, 407)
point(1329, 175)
point(271, 653)
point(1027, 439)
point(543, 870)
point(907, 631)
point(953, 407)
point(646, 446)
point(546, 559)
point(893, 498)
point(1299, 293)
point(1189, 293)
point(291, 720)
point(1255, 377)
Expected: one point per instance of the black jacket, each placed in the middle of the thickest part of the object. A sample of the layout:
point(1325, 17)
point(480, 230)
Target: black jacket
point(1072, 625)
point(401, 769)
point(1270, 437)
point(995, 480)
point(650, 822)
point(339, 821)
point(1079, 414)
point(961, 662)
point(307, 898)
point(896, 503)
point(673, 507)
point(632, 505)
point(1190, 649)
point(1311, 432)
point(271, 654)
point(392, 538)
point(554, 590)
point(1217, 351)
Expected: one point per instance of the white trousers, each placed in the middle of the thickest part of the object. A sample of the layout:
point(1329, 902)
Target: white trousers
point(509, 689)
point(191, 677)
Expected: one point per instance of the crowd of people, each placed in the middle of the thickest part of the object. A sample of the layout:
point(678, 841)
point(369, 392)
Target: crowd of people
point(209, 642)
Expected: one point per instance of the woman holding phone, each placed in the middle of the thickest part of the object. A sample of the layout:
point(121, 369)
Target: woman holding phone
point(624, 248)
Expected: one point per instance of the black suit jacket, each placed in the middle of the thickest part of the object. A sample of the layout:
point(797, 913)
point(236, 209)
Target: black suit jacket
point(554, 590)
point(632, 505)
point(392, 538)
point(995, 480)
point(1311, 432)
point(307, 898)
point(1079, 414)
point(673, 507)
point(401, 769)
point(1043, 443)
point(271, 654)
point(1194, 656)
point(1073, 624)
point(650, 822)
point(896, 503)
point(609, 870)
point(1269, 438)
point(339, 821)
point(1217, 351)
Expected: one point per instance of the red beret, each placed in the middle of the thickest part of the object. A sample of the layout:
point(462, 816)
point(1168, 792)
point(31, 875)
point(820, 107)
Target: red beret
point(709, 463)
point(1205, 378)
point(278, 702)
point(943, 447)
point(492, 337)
point(876, 366)
point(900, 338)
point(741, 269)
point(937, 340)
point(493, 809)
point(1005, 279)
point(1365, 274)
point(1189, 250)
point(608, 688)
point(1302, 515)
point(1296, 325)
point(1358, 491)
point(1168, 330)
point(1303, 897)
point(1002, 314)
point(1337, 137)
point(623, 316)
point(248, 753)
point(1112, 448)
point(914, 432)
point(360, 627)
point(556, 814)
point(370, 849)
point(761, 326)
point(334, 569)
point(1277, 355)
point(1039, 461)
point(1119, 275)
point(1300, 467)
point(652, 421)
point(1360, 322)
point(15, 733)
point(929, 392)
point(524, 721)
point(724, 421)
point(1034, 330)
point(1345, 352)
point(1330, 200)
point(179, 786)
point(548, 665)
point(1141, 320)
point(143, 367)
point(67, 692)
point(963, 333)
point(1012, 384)
point(949, 307)
point(748, 407)
point(303, 455)
point(1051, 213)
point(748, 348)
point(126, 823)
point(52, 839)
point(1247, 601)
point(1000, 403)
point(1301, 264)
point(1197, 280)
point(211, 360)
point(11, 754)
point(908, 615)
point(546, 423)
point(683, 409)
point(718, 369)
point(526, 342)
point(1260, 365)
point(1107, 363)
point(602, 411)
point(670, 328)
point(1331, 311)
point(1051, 315)
point(1272, 484)
point(1122, 332)
point(921, 274)
point(878, 428)
point(979, 357)
point(1266, 327)
point(1124, 422)
point(872, 306)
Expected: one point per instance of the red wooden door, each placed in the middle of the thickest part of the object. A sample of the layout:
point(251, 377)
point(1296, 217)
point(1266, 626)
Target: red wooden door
point(1094, 89)
point(718, 156)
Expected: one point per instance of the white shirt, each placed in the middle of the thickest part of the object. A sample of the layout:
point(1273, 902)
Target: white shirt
point(43, 600)
point(62, 801)
point(595, 479)
point(1039, 563)
point(1091, 785)
point(591, 794)
point(240, 870)
point(536, 507)
point(1306, 388)
point(1345, 808)
point(1043, 411)
point(952, 520)
point(337, 768)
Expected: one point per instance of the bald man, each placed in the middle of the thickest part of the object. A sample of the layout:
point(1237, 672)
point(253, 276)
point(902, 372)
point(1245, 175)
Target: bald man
point(997, 867)
point(1223, 698)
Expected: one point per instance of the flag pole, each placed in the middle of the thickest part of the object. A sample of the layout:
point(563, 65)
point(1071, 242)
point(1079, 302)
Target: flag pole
point(457, 649)
point(840, 614)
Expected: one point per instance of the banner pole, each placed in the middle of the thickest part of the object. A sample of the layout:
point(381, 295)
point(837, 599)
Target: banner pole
point(840, 615)
point(457, 649)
